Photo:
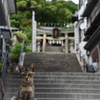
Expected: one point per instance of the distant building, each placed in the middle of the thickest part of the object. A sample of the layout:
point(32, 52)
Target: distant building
point(87, 34)
point(7, 7)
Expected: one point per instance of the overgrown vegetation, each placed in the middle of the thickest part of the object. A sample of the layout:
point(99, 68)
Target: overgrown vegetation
point(23, 36)
point(54, 11)
point(15, 51)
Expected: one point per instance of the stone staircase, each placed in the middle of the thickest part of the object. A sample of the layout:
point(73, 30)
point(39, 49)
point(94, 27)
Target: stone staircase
point(53, 62)
point(50, 48)
point(58, 86)
point(53, 81)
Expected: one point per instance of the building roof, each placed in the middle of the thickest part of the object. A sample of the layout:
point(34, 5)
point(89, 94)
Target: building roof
point(94, 40)
point(91, 4)
point(2, 15)
point(12, 6)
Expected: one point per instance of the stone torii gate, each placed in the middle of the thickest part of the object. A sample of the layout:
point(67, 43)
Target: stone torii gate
point(48, 31)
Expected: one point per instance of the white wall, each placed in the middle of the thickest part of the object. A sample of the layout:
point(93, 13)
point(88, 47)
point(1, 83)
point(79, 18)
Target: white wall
point(76, 32)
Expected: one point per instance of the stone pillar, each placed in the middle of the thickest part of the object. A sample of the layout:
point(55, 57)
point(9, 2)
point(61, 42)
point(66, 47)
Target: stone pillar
point(66, 43)
point(33, 29)
point(62, 43)
point(44, 42)
point(71, 47)
point(38, 46)
point(34, 36)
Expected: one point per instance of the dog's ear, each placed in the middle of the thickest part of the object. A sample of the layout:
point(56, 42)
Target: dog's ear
point(32, 67)
point(21, 68)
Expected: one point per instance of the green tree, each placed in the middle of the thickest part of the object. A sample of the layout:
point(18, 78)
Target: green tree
point(55, 11)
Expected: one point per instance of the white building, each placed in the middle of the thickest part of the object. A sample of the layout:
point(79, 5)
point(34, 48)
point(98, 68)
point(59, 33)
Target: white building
point(87, 36)
point(7, 7)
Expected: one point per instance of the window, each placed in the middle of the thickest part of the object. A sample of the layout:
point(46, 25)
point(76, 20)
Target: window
point(95, 56)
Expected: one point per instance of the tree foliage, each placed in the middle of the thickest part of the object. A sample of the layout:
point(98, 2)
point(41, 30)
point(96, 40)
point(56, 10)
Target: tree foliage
point(55, 11)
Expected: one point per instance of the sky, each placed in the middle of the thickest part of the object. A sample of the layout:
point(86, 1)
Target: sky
point(75, 1)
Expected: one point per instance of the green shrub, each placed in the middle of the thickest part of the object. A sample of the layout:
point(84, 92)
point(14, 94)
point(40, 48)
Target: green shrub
point(27, 49)
point(21, 35)
point(28, 41)
point(28, 31)
point(15, 51)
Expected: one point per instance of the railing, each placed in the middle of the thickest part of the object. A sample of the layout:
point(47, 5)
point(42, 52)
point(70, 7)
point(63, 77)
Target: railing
point(4, 66)
point(22, 50)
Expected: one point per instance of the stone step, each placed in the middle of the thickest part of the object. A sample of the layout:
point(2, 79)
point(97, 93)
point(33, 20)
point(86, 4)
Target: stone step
point(68, 95)
point(50, 48)
point(67, 73)
point(67, 77)
point(59, 73)
point(48, 85)
point(56, 75)
point(62, 95)
point(64, 99)
point(61, 81)
point(53, 77)
point(73, 74)
point(59, 99)
point(67, 90)
point(80, 77)
point(56, 81)
point(58, 90)
point(68, 86)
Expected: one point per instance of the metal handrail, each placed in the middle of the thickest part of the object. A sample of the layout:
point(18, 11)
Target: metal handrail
point(4, 66)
